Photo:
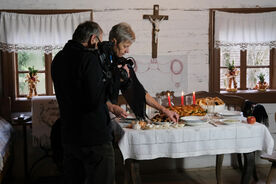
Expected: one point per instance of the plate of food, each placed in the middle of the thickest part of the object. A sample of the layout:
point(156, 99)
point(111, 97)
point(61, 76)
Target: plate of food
point(192, 118)
point(230, 113)
point(230, 121)
point(196, 123)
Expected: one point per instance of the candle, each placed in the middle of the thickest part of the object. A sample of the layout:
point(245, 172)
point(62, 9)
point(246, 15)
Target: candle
point(169, 100)
point(194, 99)
point(182, 98)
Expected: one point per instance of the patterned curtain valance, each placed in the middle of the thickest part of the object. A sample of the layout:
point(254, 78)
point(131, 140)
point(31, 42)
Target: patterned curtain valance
point(38, 32)
point(240, 29)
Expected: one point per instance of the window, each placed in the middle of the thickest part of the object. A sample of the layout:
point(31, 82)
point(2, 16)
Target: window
point(40, 62)
point(250, 59)
point(20, 50)
point(26, 59)
point(255, 62)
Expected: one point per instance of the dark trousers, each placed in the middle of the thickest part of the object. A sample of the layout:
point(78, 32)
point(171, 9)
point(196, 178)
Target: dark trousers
point(89, 165)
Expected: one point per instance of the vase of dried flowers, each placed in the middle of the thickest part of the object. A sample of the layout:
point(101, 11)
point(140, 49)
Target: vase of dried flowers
point(232, 72)
point(32, 80)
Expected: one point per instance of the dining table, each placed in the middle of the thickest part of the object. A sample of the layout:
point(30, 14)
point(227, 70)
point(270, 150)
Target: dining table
point(192, 141)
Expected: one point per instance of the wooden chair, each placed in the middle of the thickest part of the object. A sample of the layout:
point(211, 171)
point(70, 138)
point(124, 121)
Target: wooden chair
point(271, 158)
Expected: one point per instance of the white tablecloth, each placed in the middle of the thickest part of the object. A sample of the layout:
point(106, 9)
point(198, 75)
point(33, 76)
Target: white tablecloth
point(192, 141)
point(44, 114)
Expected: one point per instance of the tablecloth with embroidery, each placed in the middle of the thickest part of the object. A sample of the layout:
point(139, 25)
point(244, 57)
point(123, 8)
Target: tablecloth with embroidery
point(192, 141)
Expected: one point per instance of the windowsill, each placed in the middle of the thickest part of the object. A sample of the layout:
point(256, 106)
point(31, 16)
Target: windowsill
point(25, 99)
point(22, 99)
point(268, 96)
point(249, 91)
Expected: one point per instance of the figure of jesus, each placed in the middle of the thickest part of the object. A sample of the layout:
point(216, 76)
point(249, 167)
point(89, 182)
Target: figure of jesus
point(156, 29)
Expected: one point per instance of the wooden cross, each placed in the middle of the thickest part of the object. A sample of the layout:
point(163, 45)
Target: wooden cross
point(155, 19)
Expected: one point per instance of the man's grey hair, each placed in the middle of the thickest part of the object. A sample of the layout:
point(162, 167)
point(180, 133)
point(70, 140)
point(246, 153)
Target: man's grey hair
point(122, 32)
point(85, 30)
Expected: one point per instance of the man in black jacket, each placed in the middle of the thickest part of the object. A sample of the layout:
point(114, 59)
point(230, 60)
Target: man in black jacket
point(81, 95)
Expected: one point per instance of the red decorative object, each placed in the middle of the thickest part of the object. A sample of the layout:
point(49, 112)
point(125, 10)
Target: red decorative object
point(169, 100)
point(182, 98)
point(194, 98)
point(32, 80)
point(180, 69)
point(231, 77)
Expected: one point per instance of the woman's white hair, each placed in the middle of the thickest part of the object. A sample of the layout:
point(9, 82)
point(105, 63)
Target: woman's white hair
point(122, 32)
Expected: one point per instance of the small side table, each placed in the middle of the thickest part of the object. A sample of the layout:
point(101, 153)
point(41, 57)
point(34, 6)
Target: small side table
point(24, 121)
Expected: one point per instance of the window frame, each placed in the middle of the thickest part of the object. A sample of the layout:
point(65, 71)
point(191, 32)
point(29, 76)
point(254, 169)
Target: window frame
point(47, 71)
point(9, 66)
point(269, 96)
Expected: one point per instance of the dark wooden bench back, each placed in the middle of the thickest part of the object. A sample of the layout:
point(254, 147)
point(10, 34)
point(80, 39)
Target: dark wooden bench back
point(231, 101)
point(5, 108)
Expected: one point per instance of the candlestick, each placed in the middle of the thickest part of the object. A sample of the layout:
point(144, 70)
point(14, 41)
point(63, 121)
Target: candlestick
point(182, 98)
point(194, 99)
point(169, 100)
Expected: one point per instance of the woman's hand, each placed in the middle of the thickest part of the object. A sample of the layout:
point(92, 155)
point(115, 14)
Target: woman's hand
point(171, 114)
point(116, 110)
point(119, 111)
point(153, 103)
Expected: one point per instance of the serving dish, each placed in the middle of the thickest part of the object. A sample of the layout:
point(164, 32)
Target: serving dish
point(230, 113)
point(194, 120)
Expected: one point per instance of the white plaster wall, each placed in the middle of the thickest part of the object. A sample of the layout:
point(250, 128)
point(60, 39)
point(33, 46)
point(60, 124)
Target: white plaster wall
point(132, 4)
point(183, 37)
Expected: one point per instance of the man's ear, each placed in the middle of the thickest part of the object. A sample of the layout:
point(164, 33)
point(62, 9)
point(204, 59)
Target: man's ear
point(93, 39)
point(114, 41)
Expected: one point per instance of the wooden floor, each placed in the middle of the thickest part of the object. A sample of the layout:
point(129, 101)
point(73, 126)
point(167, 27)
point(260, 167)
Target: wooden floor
point(192, 176)
point(203, 176)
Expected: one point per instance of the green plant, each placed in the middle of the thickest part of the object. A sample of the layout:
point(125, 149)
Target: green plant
point(230, 66)
point(32, 71)
point(261, 77)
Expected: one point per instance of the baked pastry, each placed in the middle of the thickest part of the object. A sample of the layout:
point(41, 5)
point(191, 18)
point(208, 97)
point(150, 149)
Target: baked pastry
point(211, 100)
point(187, 110)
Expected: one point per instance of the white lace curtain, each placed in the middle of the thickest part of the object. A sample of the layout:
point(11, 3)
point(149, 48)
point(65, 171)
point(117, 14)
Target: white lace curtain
point(38, 32)
point(240, 29)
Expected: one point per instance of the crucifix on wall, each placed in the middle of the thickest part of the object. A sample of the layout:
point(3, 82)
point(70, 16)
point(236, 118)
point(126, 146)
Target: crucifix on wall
point(155, 19)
